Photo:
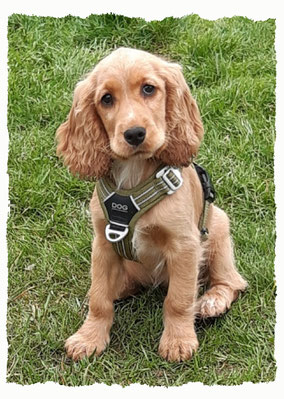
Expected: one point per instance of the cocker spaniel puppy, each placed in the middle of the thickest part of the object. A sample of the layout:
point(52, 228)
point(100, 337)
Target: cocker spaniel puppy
point(132, 116)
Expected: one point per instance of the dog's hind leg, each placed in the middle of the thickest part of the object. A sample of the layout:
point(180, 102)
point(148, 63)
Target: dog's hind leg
point(225, 282)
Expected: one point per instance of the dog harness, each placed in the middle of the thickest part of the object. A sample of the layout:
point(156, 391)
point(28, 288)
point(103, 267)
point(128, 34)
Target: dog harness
point(122, 208)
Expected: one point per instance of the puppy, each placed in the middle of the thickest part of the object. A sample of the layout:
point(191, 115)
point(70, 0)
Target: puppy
point(131, 115)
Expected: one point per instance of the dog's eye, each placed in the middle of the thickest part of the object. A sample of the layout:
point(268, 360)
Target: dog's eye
point(107, 99)
point(148, 90)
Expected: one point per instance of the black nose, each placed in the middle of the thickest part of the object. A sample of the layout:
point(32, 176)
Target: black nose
point(135, 135)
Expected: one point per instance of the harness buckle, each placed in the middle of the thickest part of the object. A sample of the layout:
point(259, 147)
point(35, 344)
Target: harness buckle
point(163, 173)
point(116, 232)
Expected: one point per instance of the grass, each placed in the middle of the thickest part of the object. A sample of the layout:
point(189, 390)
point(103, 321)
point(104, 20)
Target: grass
point(229, 65)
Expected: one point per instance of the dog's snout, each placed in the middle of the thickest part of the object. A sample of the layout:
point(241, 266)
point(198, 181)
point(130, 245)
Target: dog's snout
point(135, 135)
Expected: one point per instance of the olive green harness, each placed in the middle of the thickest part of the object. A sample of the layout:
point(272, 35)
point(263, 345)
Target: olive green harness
point(122, 208)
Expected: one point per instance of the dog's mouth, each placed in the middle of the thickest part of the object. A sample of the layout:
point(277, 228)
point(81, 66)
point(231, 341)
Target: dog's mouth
point(139, 154)
point(129, 152)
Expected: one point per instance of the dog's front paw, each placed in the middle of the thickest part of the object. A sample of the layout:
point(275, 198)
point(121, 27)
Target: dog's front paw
point(177, 348)
point(83, 344)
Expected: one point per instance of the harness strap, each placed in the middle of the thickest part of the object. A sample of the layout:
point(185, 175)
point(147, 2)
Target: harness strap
point(122, 208)
point(209, 196)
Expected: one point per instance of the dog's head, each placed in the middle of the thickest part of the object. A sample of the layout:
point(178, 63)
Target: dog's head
point(133, 104)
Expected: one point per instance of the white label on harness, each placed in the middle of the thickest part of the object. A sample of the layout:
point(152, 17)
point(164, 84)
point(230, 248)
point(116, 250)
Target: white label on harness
point(119, 207)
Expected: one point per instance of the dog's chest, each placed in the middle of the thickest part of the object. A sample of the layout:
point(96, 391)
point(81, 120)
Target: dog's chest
point(149, 242)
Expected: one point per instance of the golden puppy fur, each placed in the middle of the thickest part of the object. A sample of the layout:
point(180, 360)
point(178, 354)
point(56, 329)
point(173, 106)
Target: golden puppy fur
point(110, 100)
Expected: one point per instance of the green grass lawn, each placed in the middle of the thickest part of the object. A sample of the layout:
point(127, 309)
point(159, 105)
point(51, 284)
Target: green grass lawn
point(229, 65)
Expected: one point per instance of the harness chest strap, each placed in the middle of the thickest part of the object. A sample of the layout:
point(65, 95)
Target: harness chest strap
point(122, 208)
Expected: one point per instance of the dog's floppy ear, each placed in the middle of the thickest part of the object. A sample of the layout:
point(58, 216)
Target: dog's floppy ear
point(184, 127)
point(82, 140)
